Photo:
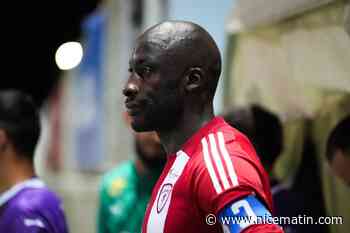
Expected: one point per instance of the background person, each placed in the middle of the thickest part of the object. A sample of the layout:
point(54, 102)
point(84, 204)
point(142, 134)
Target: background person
point(126, 189)
point(265, 131)
point(26, 204)
point(338, 150)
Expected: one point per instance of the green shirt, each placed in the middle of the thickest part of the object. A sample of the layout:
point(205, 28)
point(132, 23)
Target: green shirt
point(123, 199)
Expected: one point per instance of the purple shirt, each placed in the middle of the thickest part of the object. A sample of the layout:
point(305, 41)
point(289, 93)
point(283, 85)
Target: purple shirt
point(30, 207)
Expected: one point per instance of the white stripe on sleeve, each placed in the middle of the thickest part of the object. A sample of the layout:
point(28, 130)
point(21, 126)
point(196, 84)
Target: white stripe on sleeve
point(210, 167)
point(228, 161)
point(218, 161)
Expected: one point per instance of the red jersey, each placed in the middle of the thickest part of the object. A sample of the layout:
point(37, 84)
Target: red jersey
point(215, 167)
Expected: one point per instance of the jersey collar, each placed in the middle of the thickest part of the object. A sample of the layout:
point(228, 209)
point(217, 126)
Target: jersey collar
point(30, 183)
point(191, 144)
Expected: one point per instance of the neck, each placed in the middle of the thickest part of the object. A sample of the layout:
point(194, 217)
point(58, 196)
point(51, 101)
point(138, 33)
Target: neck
point(14, 171)
point(188, 125)
point(140, 167)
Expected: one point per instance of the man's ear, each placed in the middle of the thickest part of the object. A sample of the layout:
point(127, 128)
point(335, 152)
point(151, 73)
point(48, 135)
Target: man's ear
point(194, 79)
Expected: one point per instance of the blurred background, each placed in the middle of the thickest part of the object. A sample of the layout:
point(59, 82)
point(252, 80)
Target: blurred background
point(291, 57)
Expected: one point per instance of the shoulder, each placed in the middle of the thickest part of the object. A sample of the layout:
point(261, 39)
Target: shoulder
point(117, 179)
point(227, 159)
point(224, 142)
point(37, 210)
point(237, 142)
point(35, 200)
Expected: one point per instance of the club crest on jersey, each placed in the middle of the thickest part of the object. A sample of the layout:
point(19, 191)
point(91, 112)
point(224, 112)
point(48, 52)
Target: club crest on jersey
point(163, 196)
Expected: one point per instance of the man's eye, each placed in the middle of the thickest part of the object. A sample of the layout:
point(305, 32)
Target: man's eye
point(130, 70)
point(144, 71)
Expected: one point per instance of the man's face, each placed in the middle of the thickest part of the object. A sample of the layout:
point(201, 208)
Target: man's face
point(152, 93)
point(340, 166)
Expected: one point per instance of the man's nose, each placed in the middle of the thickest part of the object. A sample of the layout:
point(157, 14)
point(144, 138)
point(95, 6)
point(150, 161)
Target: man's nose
point(130, 89)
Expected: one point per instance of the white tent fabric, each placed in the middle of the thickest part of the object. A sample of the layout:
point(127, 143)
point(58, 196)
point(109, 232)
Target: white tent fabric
point(347, 18)
point(288, 66)
point(252, 13)
point(298, 68)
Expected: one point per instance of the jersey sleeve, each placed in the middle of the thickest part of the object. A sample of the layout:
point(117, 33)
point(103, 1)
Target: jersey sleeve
point(26, 222)
point(225, 175)
point(38, 211)
point(248, 212)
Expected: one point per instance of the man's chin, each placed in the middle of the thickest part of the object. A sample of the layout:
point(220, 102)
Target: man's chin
point(140, 126)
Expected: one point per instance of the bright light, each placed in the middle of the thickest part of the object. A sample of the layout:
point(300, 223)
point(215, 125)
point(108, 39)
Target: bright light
point(69, 55)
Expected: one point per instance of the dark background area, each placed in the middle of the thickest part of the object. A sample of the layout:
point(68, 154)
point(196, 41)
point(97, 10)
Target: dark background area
point(35, 30)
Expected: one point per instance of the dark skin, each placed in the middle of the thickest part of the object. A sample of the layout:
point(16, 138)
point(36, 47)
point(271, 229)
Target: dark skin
point(174, 70)
point(14, 168)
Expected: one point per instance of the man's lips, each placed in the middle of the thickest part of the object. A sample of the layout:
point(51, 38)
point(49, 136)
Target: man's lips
point(131, 105)
point(132, 108)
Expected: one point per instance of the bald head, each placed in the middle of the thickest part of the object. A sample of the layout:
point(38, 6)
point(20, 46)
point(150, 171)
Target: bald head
point(174, 71)
point(185, 45)
point(173, 33)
